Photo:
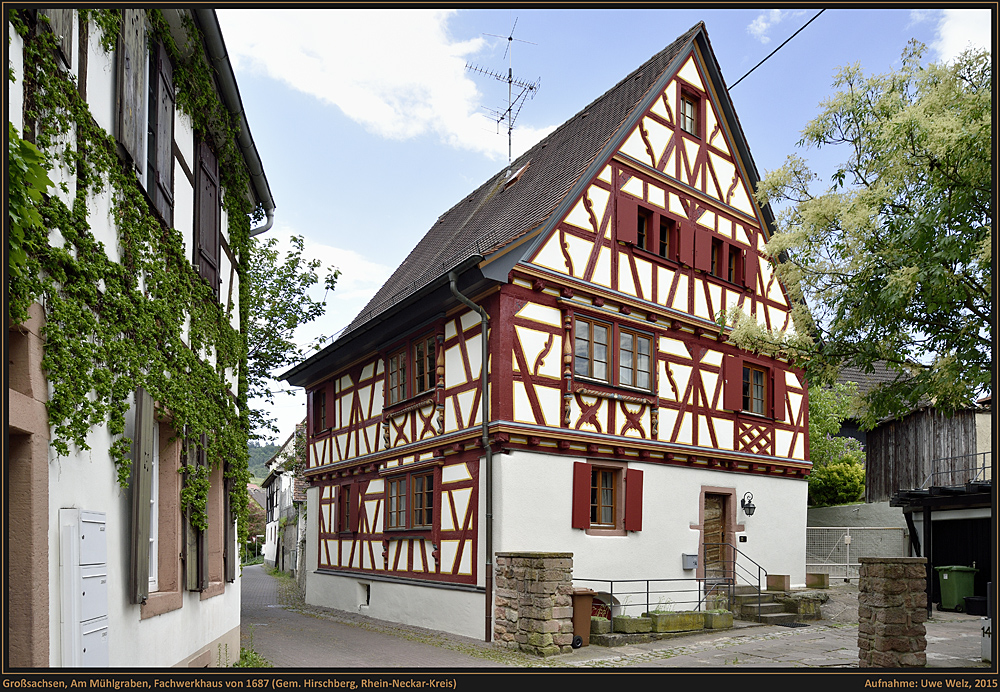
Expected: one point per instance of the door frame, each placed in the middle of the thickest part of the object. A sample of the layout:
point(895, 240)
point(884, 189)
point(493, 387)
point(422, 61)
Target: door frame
point(732, 526)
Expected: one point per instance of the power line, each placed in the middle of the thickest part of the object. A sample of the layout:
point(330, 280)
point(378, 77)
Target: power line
point(777, 49)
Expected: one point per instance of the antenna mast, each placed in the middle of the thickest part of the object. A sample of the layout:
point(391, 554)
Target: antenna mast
point(527, 89)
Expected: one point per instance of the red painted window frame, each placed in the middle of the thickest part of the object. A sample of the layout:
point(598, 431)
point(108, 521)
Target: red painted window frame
point(632, 497)
point(774, 377)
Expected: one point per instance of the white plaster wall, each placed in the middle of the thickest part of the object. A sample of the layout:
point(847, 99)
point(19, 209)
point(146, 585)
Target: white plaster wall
point(183, 186)
point(100, 80)
point(87, 480)
point(270, 544)
point(460, 612)
point(15, 89)
point(449, 610)
point(984, 440)
point(532, 511)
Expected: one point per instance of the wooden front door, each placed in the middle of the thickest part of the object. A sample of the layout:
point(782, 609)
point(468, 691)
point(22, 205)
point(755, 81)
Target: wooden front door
point(716, 560)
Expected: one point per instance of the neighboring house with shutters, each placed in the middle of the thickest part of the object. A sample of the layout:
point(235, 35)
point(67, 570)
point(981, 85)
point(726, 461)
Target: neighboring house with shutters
point(285, 499)
point(103, 573)
point(620, 424)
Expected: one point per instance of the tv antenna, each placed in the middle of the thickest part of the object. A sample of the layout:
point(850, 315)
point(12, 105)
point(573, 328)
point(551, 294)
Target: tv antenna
point(528, 89)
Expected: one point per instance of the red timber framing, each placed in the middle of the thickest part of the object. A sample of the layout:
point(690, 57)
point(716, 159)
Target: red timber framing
point(658, 242)
point(354, 534)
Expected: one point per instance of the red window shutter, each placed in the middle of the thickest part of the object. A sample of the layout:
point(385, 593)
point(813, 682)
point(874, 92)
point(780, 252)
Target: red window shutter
point(581, 495)
point(310, 395)
point(633, 500)
point(732, 372)
point(356, 506)
point(778, 393)
point(702, 250)
point(685, 243)
point(747, 265)
point(626, 219)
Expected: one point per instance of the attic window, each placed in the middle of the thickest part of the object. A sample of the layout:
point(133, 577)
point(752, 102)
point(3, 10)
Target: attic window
point(514, 178)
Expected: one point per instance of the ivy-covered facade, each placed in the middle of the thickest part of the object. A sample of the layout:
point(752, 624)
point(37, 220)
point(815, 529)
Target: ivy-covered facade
point(135, 188)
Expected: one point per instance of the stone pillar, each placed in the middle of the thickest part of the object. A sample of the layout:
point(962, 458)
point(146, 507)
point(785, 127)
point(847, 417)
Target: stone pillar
point(892, 610)
point(534, 602)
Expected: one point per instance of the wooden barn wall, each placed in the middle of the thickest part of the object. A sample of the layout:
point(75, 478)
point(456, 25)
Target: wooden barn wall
point(901, 454)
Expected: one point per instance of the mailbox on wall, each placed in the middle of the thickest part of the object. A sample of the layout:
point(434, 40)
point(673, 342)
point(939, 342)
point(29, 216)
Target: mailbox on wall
point(83, 570)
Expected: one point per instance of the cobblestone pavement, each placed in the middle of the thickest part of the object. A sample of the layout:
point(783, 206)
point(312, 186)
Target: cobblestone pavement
point(292, 634)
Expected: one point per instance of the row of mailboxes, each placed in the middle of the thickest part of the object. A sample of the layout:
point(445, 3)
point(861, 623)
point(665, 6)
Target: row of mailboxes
point(83, 558)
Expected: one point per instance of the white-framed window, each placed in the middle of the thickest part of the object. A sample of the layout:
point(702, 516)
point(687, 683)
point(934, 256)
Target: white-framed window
point(154, 514)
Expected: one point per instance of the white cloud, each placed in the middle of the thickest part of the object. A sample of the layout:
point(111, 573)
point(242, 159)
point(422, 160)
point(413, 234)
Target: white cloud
point(961, 29)
point(359, 280)
point(765, 20)
point(396, 72)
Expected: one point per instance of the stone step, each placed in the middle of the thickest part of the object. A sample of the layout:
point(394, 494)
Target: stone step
point(778, 618)
point(767, 608)
point(751, 599)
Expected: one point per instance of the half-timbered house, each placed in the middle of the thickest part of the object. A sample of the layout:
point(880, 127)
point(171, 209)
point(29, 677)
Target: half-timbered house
point(614, 419)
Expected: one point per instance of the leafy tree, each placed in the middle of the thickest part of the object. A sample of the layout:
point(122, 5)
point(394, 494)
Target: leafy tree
point(280, 303)
point(838, 474)
point(836, 484)
point(894, 258)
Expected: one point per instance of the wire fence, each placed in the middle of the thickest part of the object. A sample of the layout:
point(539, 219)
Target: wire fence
point(837, 551)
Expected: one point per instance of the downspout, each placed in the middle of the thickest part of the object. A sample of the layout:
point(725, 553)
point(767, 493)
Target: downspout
point(484, 387)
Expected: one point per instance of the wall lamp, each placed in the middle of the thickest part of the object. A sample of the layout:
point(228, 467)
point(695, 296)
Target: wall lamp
point(747, 504)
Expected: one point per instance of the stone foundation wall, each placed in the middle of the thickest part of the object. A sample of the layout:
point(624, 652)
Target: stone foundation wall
point(892, 610)
point(534, 602)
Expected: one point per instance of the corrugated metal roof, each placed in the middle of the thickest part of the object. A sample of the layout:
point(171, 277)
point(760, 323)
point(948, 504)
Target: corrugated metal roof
point(495, 215)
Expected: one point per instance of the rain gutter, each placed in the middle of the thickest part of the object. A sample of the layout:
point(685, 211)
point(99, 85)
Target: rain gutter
point(208, 22)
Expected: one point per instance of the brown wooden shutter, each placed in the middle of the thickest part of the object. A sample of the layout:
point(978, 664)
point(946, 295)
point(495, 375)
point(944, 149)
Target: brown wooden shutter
point(633, 500)
point(581, 495)
point(207, 216)
point(195, 549)
point(626, 219)
point(685, 243)
point(131, 89)
point(732, 371)
point(162, 187)
point(778, 393)
point(141, 486)
point(702, 250)
point(61, 23)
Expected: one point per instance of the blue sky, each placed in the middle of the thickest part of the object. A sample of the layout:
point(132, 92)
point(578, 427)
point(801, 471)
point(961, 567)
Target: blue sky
point(370, 126)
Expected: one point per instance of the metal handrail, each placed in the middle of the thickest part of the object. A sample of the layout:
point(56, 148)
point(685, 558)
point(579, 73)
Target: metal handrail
point(737, 553)
point(980, 469)
point(648, 590)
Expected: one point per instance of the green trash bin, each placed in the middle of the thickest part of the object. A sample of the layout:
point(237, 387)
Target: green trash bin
point(956, 583)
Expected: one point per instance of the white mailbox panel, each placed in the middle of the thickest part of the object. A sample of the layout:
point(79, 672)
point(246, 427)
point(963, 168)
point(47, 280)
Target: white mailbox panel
point(94, 638)
point(93, 538)
point(93, 592)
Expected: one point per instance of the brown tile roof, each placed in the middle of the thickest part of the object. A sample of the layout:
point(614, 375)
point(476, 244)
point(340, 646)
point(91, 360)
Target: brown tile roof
point(493, 216)
point(867, 381)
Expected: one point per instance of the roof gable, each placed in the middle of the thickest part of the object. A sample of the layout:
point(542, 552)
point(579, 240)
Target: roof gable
point(496, 215)
point(508, 216)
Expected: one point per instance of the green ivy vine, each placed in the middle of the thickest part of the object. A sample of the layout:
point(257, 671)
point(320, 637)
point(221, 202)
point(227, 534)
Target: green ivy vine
point(146, 318)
